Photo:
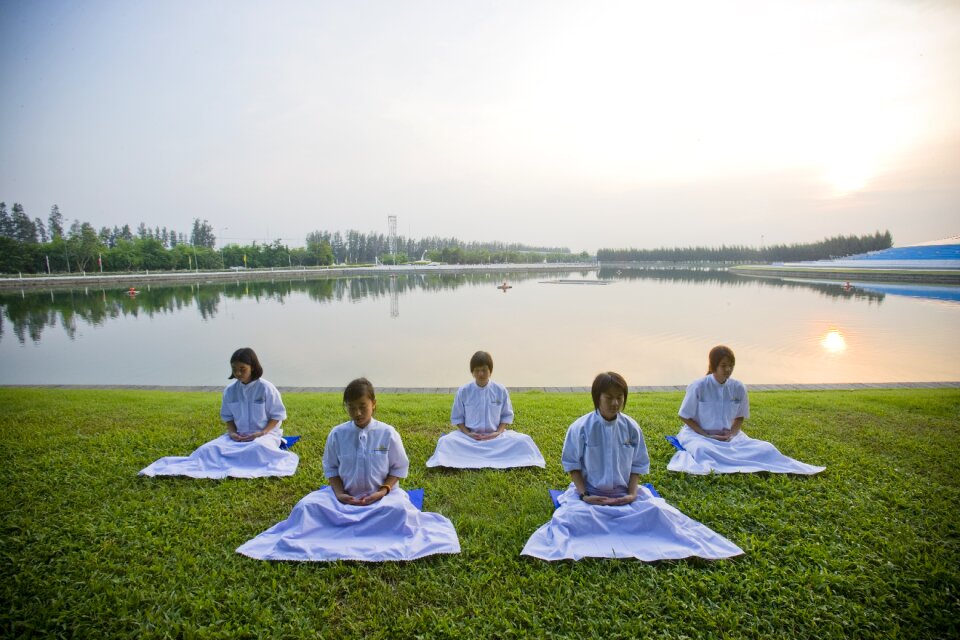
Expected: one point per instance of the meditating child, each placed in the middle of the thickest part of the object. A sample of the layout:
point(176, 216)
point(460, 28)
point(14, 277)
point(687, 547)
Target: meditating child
point(605, 513)
point(712, 437)
point(363, 514)
point(253, 412)
point(482, 412)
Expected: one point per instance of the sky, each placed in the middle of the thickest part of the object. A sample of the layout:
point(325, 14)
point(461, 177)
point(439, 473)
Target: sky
point(583, 125)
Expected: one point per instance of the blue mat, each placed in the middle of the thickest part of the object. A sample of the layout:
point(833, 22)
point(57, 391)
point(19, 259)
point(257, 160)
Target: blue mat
point(555, 493)
point(676, 443)
point(287, 442)
point(416, 497)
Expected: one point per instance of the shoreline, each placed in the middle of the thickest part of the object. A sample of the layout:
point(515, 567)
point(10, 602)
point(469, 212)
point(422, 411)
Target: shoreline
point(305, 273)
point(829, 386)
point(916, 276)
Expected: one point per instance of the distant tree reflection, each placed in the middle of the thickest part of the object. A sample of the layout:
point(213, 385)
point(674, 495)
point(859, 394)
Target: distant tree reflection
point(30, 313)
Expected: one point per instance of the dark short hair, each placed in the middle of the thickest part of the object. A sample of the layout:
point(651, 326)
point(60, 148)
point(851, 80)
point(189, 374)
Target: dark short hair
point(717, 354)
point(606, 381)
point(246, 355)
point(357, 389)
point(481, 358)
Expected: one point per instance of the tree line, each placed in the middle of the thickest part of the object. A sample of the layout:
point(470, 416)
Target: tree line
point(355, 247)
point(835, 247)
point(37, 246)
point(33, 246)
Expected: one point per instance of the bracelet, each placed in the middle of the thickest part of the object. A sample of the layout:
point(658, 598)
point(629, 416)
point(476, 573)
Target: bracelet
point(584, 495)
point(386, 486)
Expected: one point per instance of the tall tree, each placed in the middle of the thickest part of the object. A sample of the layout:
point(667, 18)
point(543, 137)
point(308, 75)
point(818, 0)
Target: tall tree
point(23, 227)
point(6, 225)
point(41, 230)
point(56, 222)
point(202, 235)
point(84, 244)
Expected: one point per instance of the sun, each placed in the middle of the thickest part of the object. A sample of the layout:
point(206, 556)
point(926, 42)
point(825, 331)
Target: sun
point(847, 175)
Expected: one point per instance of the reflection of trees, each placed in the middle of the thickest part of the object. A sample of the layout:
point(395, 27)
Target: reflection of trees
point(31, 313)
point(728, 279)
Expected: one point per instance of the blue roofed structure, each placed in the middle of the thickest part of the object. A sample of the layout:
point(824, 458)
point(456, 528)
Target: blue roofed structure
point(942, 254)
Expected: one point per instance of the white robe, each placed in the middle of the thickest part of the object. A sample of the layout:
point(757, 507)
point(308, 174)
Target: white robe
point(251, 407)
point(508, 450)
point(715, 406)
point(647, 529)
point(741, 454)
point(607, 453)
point(321, 528)
point(224, 458)
point(483, 410)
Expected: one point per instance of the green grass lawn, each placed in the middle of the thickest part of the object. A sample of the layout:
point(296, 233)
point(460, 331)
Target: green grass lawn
point(869, 548)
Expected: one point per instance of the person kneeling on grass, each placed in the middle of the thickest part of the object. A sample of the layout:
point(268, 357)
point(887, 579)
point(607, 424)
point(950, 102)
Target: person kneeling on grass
point(712, 438)
point(251, 448)
point(363, 514)
point(482, 412)
point(604, 513)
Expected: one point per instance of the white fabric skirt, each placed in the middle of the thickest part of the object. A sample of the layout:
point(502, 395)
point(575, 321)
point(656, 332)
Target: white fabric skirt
point(510, 449)
point(321, 528)
point(742, 454)
point(647, 529)
point(223, 458)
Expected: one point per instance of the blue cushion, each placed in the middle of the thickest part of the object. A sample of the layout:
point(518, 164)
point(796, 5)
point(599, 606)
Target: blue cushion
point(287, 442)
point(676, 443)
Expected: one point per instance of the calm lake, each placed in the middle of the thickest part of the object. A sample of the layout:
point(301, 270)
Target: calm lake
point(549, 329)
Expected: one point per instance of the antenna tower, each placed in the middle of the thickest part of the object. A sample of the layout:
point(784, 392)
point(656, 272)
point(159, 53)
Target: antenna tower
point(392, 224)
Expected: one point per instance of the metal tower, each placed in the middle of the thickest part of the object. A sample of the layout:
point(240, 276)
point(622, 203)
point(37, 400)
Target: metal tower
point(392, 223)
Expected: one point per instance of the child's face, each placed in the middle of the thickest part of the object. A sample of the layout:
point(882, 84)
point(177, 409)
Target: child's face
point(482, 375)
point(724, 370)
point(361, 410)
point(241, 371)
point(611, 401)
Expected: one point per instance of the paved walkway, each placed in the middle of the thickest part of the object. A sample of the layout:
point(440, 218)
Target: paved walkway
point(857, 386)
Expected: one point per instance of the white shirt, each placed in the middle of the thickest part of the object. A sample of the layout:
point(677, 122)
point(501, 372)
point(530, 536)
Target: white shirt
point(363, 458)
point(605, 452)
point(251, 406)
point(482, 409)
point(713, 405)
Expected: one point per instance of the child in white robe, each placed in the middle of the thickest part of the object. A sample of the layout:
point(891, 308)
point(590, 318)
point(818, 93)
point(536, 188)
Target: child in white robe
point(253, 412)
point(713, 411)
point(605, 513)
point(363, 514)
point(481, 413)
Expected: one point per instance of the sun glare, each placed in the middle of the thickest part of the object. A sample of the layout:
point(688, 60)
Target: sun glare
point(833, 341)
point(847, 177)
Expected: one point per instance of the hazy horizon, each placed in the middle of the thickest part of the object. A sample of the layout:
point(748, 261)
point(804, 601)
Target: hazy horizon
point(560, 124)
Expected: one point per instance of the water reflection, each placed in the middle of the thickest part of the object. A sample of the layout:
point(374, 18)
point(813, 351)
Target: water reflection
point(871, 293)
point(416, 329)
point(834, 342)
point(30, 313)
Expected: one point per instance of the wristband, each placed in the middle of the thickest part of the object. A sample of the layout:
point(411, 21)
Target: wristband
point(385, 486)
point(584, 495)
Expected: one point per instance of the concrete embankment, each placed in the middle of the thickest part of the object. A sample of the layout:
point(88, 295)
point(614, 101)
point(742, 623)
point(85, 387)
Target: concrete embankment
point(925, 276)
point(114, 280)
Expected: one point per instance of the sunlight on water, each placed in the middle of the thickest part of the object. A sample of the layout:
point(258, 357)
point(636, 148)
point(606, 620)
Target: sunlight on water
point(834, 342)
